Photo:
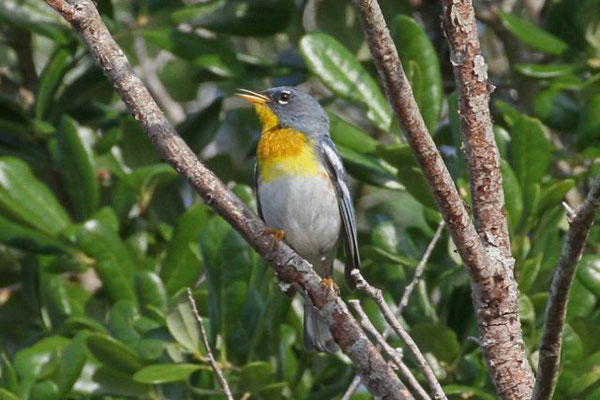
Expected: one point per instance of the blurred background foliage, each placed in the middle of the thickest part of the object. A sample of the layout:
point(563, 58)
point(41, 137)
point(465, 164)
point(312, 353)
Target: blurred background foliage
point(99, 238)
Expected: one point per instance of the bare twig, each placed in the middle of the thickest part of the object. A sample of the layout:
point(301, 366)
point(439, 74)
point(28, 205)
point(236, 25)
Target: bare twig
point(419, 270)
point(291, 269)
point(148, 71)
point(405, 296)
point(394, 354)
point(495, 292)
point(556, 309)
point(354, 385)
point(376, 294)
point(209, 354)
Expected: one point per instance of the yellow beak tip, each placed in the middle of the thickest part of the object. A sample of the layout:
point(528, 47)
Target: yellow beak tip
point(252, 97)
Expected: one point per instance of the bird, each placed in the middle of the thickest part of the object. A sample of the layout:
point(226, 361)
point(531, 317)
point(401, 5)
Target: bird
point(302, 192)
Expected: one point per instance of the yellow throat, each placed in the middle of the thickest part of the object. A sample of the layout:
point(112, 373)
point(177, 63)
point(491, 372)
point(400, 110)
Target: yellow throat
point(283, 151)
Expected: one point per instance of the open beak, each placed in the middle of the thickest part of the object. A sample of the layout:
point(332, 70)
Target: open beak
point(252, 97)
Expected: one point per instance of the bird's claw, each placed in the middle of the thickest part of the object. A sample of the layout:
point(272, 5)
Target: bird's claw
point(278, 236)
point(330, 283)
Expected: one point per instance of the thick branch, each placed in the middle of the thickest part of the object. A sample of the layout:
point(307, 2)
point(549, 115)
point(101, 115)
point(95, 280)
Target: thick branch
point(495, 293)
point(556, 310)
point(290, 268)
point(481, 152)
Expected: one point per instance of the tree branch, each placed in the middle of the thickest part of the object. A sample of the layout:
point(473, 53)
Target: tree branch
point(481, 152)
point(405, 296)
point(209, 354)
point(495, 292)
point(289, 267)
point(376, 294)
point(394, 354)
point(556, 309)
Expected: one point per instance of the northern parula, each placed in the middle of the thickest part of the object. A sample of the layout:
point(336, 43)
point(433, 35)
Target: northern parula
point(301, 190)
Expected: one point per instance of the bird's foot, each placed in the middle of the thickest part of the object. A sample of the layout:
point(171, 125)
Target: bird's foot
point(278, 236)
point(330, 283)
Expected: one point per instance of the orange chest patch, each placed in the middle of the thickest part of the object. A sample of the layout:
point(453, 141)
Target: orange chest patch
point(286, 152)
point(277, 143)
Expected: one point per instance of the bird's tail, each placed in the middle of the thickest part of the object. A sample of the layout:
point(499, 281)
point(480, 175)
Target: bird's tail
point(316, 332)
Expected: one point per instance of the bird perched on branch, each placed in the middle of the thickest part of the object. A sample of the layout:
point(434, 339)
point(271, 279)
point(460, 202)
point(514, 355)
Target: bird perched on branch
point(301, 191)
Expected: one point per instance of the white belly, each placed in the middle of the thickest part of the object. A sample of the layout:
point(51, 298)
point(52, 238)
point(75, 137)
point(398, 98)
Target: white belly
point(306, 209)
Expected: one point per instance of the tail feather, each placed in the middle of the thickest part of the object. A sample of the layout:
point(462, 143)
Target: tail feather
point(316, 332)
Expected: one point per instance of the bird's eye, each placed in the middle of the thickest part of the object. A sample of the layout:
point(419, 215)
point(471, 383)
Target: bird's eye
point(284, 97)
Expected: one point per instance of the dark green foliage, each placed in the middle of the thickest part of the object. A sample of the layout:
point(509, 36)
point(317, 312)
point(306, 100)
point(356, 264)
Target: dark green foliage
point(99, 239)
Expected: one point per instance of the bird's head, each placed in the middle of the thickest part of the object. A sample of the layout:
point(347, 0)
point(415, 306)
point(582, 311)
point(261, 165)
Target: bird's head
point(288, 107)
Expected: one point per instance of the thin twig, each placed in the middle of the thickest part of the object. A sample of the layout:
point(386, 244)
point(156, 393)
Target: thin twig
point(394, 354)
point(407, 292)
point(556, 309)
point(292, 269)
point(376, 294)
point(209, 354)
point(354, 385)
point(420, 268)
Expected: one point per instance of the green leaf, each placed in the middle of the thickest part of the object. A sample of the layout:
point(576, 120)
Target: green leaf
point(544, 71)
point(581, 301)
point(557, 109)
point(165, 373)
point(256, 375)
point(151, 290)
point(183, 265)
point(50, 79)
point(553, 195)
point(369, 169)
point(512, 194)
point(122, 318)
point(589, 273)
point(73, 358)
point(77, 168)
point(529, 166)
point(113, 261)
point(29, 239)
point(413, 44)
point(347, 135)
point(44, 390)
point(572, 349)
point(239, 17)
point(529, 271)
point(31, 361)
point(6, 395)
point(113, 353)
point(198, 129)
point(136, 146)
point(232, 309)
point(437, 339)
point(182, 324)
point(341, 72)
point(25, 199)
point(135, 191)
point(216, 56)
point(509, 113)
point(409, 173)
point(526, 309)
point(8, 377)
point(105, 381)
point(588, 130)
point(533, 36)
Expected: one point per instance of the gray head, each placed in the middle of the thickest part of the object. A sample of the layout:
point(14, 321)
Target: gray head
point(293, 108)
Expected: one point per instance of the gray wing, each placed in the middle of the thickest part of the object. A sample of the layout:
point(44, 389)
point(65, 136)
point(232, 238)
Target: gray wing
point(256, 177)
point(337, 174)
